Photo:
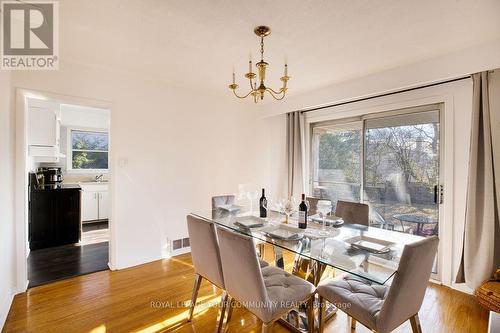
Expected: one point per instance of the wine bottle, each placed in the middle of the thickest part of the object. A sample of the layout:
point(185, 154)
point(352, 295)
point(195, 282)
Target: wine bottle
point(303, 213)
point(263, 205)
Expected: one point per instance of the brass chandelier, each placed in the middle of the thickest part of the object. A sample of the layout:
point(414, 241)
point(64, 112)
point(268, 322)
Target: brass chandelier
point(258, 91)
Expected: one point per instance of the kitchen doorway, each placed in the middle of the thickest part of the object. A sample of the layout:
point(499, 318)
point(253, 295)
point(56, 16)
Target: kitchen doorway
point(65, 164)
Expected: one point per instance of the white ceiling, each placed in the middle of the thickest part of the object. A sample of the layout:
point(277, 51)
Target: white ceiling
point(195, 43)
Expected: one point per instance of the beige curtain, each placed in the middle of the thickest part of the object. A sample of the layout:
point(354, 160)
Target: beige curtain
point(481, 252)
point(295, 152)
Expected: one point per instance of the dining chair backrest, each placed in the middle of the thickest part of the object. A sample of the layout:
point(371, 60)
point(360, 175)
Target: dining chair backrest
point(313, 205)
point(222, 200)
point(205, 250)
point(242, 273)
point(353, 212)
point(407, 290)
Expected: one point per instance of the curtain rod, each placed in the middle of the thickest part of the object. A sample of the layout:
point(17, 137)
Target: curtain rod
point(385, 94)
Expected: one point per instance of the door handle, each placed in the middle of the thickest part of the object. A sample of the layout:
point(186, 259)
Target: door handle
point(438, 194)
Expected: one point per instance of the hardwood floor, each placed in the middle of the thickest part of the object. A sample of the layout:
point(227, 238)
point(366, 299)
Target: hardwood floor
point(152, 298)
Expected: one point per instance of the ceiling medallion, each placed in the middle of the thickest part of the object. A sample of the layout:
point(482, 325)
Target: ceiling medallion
point(258, 91)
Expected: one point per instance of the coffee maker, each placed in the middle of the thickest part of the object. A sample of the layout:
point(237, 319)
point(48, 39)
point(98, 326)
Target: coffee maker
point(49, 176)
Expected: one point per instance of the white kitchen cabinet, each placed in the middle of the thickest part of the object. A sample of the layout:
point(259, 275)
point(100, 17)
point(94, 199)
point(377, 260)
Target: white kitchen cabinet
point(43, 126)
point(90, 205)
point(95, 202)
point(103, 205)
point(44, 130)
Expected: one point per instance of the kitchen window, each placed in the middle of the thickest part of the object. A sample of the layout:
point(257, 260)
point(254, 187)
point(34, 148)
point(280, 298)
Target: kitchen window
point(89, 150)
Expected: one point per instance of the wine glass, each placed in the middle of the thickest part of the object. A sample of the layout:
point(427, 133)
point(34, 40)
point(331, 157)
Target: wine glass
point(289, 207)
point(252, 196)
point(324, 208)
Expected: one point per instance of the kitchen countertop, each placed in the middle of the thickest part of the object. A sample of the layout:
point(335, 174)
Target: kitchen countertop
point(58, 187)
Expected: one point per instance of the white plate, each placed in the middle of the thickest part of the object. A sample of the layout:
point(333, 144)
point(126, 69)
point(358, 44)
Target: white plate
point(284, 232)
point(249, 221)
point(370, 244)
point(330, 219)
point(230, 208)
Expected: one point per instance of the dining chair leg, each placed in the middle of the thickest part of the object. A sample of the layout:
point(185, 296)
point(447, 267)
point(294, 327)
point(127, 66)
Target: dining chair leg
point(310, 314)
point(261, 250)
point(223, 304)
point(278, 257)
point(267, 327)
point(415, 324)
point(353, 323)
point(230, 309)
point(321, 314)
point(196, 288)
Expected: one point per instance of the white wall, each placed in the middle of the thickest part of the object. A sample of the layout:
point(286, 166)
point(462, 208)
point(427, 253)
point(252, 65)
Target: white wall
point(172, 150)
point(7, 236)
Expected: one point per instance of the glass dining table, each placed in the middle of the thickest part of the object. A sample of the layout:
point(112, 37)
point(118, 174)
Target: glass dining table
point(370, 253)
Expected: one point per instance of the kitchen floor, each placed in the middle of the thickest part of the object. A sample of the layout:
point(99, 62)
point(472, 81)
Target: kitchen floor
point(62, 262)
point(96, 232)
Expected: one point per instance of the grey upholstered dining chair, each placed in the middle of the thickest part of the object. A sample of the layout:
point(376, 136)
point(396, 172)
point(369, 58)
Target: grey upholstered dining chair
point(222, 200)
point(353, 212)
point(313, 205)
point(206, 260)
point(382, 308)
point(267, 292)
point(226, 200)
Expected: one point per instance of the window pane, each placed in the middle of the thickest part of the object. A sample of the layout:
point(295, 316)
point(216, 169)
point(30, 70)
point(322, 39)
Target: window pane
point(89, 140)
point(402, 174)
point(90, 160)
point(337, 167)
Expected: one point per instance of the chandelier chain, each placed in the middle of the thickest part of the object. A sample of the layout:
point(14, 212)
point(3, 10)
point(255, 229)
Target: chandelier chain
point(262, 48)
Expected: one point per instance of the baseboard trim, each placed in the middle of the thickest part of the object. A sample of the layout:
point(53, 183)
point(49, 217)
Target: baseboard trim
point(5, 306)
point(462, 287)
point(111, 267)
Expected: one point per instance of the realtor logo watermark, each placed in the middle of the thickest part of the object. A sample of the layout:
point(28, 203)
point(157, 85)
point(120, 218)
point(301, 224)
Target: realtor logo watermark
point(30, 35)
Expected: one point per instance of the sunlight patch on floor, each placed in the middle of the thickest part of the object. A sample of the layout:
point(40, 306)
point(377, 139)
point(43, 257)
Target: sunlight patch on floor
point(203, 304)
point(99, 329)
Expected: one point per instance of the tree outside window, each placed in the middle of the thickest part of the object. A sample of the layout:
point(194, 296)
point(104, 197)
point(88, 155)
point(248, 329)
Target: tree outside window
point(89, 150)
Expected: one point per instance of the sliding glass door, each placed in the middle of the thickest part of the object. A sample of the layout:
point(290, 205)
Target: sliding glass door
point(336, 165)
point(401, 171)
point(389, 161)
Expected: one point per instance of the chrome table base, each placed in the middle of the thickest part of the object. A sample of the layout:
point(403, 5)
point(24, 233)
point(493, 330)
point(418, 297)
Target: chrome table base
point(310, 270)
